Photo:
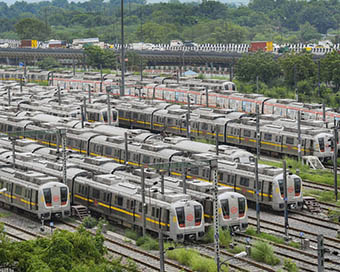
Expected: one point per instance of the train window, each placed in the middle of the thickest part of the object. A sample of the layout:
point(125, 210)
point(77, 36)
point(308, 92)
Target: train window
point(204, 126)
point(127, 203)
point(225, 208)
point(140, 207)
point(153, 212)
point(221, 176)
point(114, 116)
point(95, 193)
point(63, 195)
point(232, 131)
point(108, 197)
point(133, 204)
point(18, 190)
point(321, 144)
point(280, 182)
point(289, 140)
point(104, 113)
point(157, 213)
point(246, 133)
point(120, 200)
point(194, 170)
point(180, 216)
point(146, 159)
point(198, 215)
point(135, 115)
point(86, 190)
point(244, 181)
point(27, 192)
point(169, 121)
point(267, 136)
point(108, 150)
point(241, 206)
point(48, 196)
point(297, 186)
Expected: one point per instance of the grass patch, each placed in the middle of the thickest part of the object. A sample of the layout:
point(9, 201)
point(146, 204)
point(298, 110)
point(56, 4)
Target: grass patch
point(194, 260)
point(147, 243)
point(263, 252)
point(290, 266)
point(131, 234)
point(317, 176)
point(89, 222)
point(270, 237)
point(2, 215)
point(324, 196)
point(225, 237)
point(334, 215)
point(237, 249)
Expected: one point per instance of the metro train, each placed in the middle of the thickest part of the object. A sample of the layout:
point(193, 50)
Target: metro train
point(235, 219)
point(233, 128)
point(177, 215)
point(40, 195)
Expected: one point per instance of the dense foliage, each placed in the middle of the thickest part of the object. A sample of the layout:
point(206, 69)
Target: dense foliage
point(291, 75)
point(64, 251)
point(205, 22)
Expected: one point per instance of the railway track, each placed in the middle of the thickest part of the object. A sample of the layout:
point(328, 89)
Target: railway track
point(305, 260)
point(141, 257)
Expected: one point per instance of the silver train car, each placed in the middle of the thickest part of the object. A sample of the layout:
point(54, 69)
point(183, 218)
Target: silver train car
point(33, 192)
point(233, 128)
point(233, 206)
point(179, 217)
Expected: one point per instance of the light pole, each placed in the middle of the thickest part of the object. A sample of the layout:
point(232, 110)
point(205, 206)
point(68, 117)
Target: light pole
point(122, 87)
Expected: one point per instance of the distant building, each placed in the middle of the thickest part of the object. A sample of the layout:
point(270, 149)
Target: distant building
point(79, 43)
point(5, 43)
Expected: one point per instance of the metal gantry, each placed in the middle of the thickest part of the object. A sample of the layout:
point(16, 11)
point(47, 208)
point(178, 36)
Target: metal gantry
point(61, 133)
point(167, 166)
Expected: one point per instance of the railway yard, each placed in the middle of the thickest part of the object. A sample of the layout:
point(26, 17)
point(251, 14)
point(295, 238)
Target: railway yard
point(174, 159)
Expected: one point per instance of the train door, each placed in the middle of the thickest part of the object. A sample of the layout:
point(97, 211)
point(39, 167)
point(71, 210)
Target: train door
point(9, 192)
point(28, 198)
point(270, 191)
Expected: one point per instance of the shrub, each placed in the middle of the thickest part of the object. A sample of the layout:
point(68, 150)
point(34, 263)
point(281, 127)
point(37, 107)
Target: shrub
point(131, 234)
point(89, 222)
point(208, 236)
point(263, 252)
point(290, 266)
point(147, 243)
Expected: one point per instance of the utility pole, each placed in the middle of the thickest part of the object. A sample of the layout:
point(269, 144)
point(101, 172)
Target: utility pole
point(126, 148)
point(108, 90)
point(321, 253)
point(82, 115)
point(184, 173)
point(257, 84)
point(188, 117)
point(324, 112)
point(101, 78)
point(143, 201)
point(319, 82)
point(122, 87)
point(62, 133)
point(258, 226)
point(59, 96)
point(21, 83)
point(9, 95)
point(207, 96)
point(216, 140)
point(13, 150)
point(285, 195)
point(213, 171)
point(161, 248)
point(335, 162)
point(295, 84)
point(85, 109)
point(299, 135)
point(89, 93)
point(162, 182)
point(74, 67)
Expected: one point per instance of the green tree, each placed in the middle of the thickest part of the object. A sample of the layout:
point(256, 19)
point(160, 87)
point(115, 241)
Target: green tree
point(260, 64)
point(330, 67)
point(32, 28)
point(308, 32)
point(48, 63)
point(95, 56)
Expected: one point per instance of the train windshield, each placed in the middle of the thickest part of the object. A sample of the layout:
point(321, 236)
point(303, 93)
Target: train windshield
point(48, 197)
point(180, 216)
point(114, 116)
point(321, 144)
point(297, 186)
point(225, 208)
point(198, 215)
point(280, 182)
point(105, 116)
point(241, 206)
point(63, 195)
